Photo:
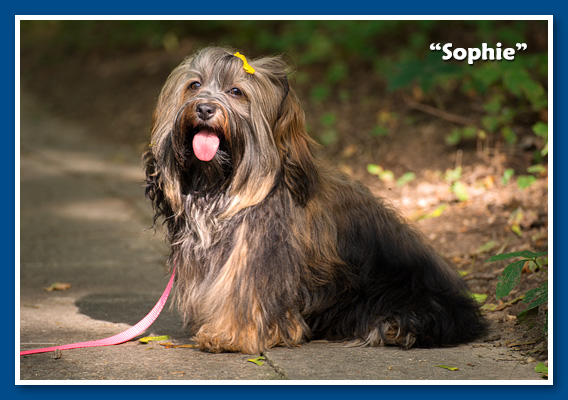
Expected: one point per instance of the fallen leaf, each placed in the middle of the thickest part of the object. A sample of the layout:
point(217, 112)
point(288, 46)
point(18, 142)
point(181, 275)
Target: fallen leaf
point(58, 286)
point(257, 360)
point(495, 307)
point(480, 298)
point(541, 368)
point(460, 190)
point(434, 214)
point(170, 345)
point(374, 169)
point(489, 307)
point(448, 368)
point(404, 179)
point(486, 247)
point(349, 151)
point(147, 339)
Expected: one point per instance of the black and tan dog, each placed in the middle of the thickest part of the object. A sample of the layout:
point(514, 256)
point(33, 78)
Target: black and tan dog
point(272, 247)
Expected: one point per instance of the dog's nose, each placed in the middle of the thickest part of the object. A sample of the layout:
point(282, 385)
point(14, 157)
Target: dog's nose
point(205, 111)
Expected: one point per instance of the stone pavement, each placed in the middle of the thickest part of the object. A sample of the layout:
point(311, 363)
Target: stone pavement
point(84, 221)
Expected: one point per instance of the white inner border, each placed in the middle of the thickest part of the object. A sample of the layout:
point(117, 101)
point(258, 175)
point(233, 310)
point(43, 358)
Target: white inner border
point(548, 18)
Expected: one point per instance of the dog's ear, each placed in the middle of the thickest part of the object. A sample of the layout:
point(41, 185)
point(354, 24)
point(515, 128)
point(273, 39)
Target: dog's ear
point(295, 148)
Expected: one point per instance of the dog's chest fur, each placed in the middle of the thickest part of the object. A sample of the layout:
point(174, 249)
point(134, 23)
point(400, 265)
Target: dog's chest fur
point(203, 228)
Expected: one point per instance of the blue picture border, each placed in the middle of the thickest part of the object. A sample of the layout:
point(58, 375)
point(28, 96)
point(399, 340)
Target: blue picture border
point(294, 7)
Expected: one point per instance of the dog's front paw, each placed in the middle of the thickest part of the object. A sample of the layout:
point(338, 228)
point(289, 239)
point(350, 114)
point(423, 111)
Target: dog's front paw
point(213, 344)
point(223, 342)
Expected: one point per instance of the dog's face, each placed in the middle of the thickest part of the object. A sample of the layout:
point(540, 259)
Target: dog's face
point(220, 129)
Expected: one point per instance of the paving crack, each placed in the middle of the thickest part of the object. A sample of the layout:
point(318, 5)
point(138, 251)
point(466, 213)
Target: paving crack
point(281, 374)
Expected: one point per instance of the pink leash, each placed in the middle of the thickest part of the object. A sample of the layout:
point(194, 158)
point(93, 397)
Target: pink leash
point(121, 337)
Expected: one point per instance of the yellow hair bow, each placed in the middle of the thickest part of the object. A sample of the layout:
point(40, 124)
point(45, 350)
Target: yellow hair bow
point(248, 69)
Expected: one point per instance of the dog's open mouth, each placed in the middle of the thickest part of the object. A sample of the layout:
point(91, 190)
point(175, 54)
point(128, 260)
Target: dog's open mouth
point(205, 144)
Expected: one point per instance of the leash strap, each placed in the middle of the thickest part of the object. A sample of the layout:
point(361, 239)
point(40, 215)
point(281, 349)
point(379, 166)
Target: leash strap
point(125, 336)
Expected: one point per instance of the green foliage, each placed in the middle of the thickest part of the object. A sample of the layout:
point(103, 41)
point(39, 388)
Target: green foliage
point(507, 175)
point(542, 369)
point(387, 175)
point(457, 187)
point(379, 130)
point(511, 277)
point(334, 56)
point(524, 181)
point(406, 178)
point(457, 134)
point(541, 130)
point(329, 135)
point(384, 175)
point(508, 91)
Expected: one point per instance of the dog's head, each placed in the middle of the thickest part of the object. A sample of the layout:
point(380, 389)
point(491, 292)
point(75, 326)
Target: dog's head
point(223, 126)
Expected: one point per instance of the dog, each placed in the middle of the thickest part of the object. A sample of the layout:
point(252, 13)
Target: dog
point(272, 247)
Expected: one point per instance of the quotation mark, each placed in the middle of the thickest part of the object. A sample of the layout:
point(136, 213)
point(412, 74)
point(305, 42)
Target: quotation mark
point(520, 46)
point(435, 46)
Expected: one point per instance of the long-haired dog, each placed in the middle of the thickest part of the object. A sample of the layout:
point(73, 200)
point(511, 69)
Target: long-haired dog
point(272, 247)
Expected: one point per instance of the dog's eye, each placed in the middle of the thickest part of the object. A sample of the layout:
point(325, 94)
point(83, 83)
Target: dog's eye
point(194, 85)
point(236, 92)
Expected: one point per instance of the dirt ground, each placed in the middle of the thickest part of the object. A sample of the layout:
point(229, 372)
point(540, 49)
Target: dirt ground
point(114, 98)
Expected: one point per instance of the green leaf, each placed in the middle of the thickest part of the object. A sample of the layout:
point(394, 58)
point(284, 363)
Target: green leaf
point(536, 169)
point(148, 339)
point(541, 129)
point(516, 228)
point(515, 79)
point(337, 72)
point(541, 368)
point(379, 130)
point(535, 93)
point(487, 74)
point(387, 175)
point(480, 298)
point(510, 278)
point(453, 175)
point(328, 119)
point(448, 368)
point(507, 175)
point(525, 254)
point(509, 135)
point(494, 105)
point(524, 181)
point(490, 123)
point(404, 179)
point(536, 297)
point(460, 191)
point(490, 245)
point(469, 132)
point(258, 360)
point(527, 315)
point(374, 169)
point(319, 93)
point(436, 213)
point(454, 137)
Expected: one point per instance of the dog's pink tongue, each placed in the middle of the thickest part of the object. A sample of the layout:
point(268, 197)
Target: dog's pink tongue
point(205, 145)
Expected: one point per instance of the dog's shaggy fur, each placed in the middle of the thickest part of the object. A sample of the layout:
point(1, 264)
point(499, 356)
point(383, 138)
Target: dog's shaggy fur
point(272, 247)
